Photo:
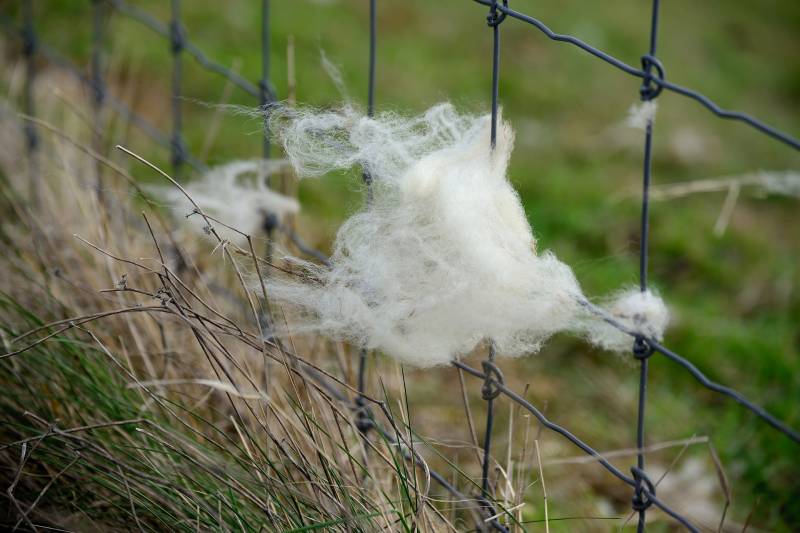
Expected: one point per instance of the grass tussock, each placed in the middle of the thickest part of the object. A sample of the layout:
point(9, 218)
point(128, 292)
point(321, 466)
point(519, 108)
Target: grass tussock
point(141, 387)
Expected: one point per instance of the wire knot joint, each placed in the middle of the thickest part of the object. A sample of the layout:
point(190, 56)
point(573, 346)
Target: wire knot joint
point(496, 16)
point(642, 349)
point(643, 492)
point(494, 377)
point(363, 419)
point(177, 37)
point(653, 76)
point(266, 93)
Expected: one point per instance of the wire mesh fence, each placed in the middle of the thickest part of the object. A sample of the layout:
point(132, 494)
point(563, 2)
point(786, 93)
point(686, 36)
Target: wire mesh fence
point(363, 408)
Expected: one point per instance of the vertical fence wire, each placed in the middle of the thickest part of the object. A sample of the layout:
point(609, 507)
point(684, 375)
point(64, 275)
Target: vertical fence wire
point(97, 87)
point(372, 57)
point(641, 350)
point(487, 393)
point(263, 85)
point(271, 221)
point(493, 19)
point(177, 44)
point(362, 422)
point(29, 46)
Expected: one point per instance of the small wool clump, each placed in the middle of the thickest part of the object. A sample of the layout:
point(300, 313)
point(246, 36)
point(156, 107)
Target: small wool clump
point(642, 312)
point(236, 194)
point(782, 183)
point(442, 257)
point(642, 114)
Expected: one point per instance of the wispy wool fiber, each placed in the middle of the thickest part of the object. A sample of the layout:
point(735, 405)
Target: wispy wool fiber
point(443, 257)
point(643, 312)
point(641, 114)
point(236, 194)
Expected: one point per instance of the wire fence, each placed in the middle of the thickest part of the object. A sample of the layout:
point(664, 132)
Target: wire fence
point(652, 74)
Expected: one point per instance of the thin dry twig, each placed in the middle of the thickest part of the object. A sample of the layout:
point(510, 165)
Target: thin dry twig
point(544, 488)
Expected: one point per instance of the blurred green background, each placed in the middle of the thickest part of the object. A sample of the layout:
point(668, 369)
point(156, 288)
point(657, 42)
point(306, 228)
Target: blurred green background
point(735, 298)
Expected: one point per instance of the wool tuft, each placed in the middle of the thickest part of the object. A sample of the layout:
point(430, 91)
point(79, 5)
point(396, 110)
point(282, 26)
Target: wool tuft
point(235, 193)
point(443, 257)
point(783, 183)
point(642, 312)
point(642, 114)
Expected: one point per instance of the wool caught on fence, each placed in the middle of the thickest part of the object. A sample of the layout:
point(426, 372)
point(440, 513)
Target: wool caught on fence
point(236, 194)
point(642, 114)
point(643, 312)
point(442, 257)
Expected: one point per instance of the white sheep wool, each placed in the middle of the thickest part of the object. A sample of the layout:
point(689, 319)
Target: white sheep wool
point(642, 312)
point(442, 257)
point(236, 194)
point(642, 114)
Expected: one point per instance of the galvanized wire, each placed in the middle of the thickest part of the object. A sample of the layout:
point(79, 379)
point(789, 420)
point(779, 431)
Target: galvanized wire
point(493, 19)
point(641, 501)
point(366, 178)
point(177, 45)
point(264, 94)
point(98, 90)
point(29, 48)
point(52, 56)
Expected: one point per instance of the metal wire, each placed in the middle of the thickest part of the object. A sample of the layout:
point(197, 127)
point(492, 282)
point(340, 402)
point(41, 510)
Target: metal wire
point(191, 49)
point(97, 88)
point(493, 19)
point(762, 413)
point(34, 47)
point(366, 177)
point(29, 48)
point(119, 107)
point(265, 96)
point(177, 44)
point(271, 222)
point(641, 351)
point(503, 389)
point(98, 84)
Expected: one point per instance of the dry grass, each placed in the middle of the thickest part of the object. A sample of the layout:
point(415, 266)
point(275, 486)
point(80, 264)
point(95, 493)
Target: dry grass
point(144, 392)
point(154, 392)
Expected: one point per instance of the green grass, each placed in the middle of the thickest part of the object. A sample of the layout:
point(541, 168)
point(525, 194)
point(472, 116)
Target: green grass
point(736, 298)
point(163, 468)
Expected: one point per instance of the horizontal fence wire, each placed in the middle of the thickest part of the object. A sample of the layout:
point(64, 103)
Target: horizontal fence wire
point(653, 82)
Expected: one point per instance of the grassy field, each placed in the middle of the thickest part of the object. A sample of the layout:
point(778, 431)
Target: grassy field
point(735, 297)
